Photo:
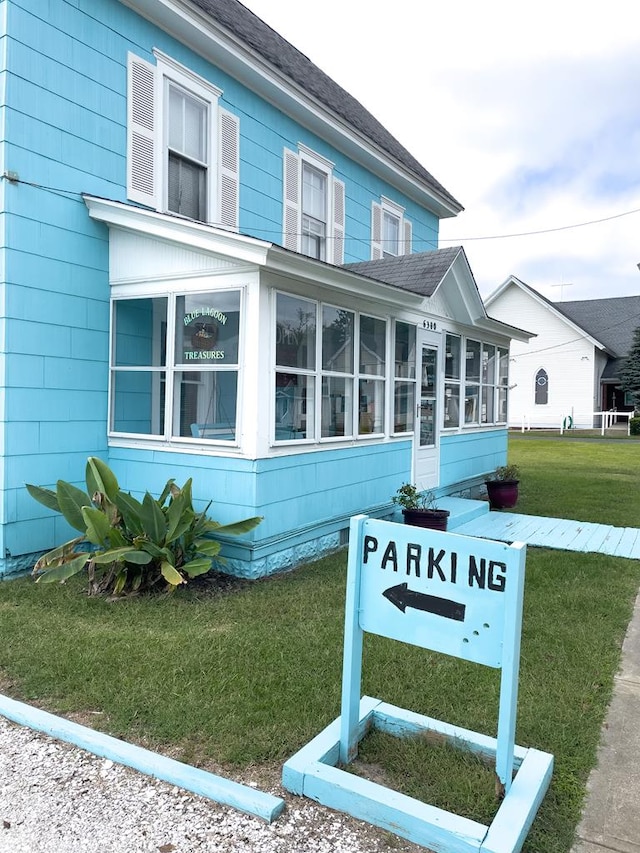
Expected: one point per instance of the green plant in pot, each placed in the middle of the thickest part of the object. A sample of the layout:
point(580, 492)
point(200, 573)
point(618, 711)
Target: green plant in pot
point(126, 545)
point(419, 508)
point(502, 487)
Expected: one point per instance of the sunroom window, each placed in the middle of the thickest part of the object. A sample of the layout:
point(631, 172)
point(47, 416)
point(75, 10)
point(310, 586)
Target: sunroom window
point(175, 361)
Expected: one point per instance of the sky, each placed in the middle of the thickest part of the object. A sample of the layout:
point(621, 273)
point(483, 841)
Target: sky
point(528, 113)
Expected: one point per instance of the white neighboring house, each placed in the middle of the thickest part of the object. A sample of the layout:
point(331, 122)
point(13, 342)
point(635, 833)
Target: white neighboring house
point(570, 370)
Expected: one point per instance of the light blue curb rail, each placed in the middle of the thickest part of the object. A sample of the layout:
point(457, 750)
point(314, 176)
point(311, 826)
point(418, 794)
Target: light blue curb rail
point(452, 594)
point(216, 788)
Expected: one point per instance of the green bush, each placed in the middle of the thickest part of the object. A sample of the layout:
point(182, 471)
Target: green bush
point(634, 426)
point(128, 546)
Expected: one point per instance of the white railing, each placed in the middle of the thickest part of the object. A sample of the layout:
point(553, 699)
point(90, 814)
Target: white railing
point(610, 417)
point(526, 423)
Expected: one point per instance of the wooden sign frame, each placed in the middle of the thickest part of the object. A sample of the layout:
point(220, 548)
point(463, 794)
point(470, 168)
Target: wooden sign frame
point(458, 595)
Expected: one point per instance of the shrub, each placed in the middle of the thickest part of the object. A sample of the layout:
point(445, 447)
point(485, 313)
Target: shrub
point(634, 426)
point(127, 545)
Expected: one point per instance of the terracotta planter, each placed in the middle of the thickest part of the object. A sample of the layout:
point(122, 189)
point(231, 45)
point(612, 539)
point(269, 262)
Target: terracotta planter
point(503, 494)
point(435, 519)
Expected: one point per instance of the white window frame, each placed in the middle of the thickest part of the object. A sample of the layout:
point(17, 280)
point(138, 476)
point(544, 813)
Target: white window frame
point(147, 138)
point(170, 369)
point(293, 165)
point(498, 388)
point(379, 211)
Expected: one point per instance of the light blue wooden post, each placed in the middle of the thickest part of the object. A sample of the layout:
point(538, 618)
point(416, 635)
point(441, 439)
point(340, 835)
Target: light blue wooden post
point(508, 708)
point(352, 657)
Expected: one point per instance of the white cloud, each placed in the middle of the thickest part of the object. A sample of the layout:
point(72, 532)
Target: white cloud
point(526, 112)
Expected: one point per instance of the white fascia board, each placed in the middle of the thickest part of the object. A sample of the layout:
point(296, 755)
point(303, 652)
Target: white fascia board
point(545, 303)
point(197, 30)
point(194, 235)
point(496, 327)
point(301, 268)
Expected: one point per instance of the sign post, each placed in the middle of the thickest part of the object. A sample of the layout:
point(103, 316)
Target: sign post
point(453, 594)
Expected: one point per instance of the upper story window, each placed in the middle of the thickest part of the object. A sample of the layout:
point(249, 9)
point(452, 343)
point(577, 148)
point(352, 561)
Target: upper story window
point(391, 231)
point(183, 147)
point(314, 206)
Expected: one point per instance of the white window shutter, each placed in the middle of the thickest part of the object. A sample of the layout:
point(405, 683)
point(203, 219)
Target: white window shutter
point(376, 231)
point(408, 237)
point(338, 222)
point(229, 170)
point(291, 225)
point(141, 131)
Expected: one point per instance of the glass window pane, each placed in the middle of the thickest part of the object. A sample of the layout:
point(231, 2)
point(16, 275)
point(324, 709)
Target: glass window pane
point(471, 401)
point(390, 233)
point(502, 405)
point(503, 369)
point(206, 404)
point(295, 332)
point(403, 406)
point(405, 358)
point(137, 402)
point(371, 406)
point(138, 339)
point(208, 328)
point(187, 125)
point(187, 188)
point(314, 192)
point(488, 364)
point(488, 401)
point(337, 340)
point(472, 361)
point(452, 357)
point(451, 406)
point(295, 407)
point(337, 406)
point(373, 345)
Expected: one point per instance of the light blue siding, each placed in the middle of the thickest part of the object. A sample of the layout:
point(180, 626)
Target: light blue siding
point(466, 458)
point(64, 134)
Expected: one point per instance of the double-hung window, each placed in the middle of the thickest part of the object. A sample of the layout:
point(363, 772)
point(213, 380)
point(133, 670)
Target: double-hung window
point(313, 206)
point(404, 388)
point(479, 380)
point(182, 146)
point(391, 231)
point(174, 366)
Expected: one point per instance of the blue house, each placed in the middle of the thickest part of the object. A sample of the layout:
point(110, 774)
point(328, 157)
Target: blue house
point(217, 264)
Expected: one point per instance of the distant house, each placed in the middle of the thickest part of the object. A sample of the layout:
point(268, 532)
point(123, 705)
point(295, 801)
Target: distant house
point(217, 264)
point(570, 370)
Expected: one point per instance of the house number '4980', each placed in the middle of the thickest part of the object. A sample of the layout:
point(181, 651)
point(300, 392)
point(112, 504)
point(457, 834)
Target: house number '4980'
point(430, 325)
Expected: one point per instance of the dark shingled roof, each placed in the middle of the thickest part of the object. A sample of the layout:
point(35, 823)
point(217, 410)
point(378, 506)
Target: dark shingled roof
point(420, 273)
point(610, 321)
point(246, 26)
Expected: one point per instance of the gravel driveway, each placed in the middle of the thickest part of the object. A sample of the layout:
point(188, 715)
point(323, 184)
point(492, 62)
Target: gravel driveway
point(56, 798)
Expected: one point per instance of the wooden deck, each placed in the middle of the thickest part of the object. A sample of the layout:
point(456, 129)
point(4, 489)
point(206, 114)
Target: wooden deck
point(560, 533)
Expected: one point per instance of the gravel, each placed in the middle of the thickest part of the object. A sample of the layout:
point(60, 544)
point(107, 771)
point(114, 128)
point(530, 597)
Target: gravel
point(56, 798)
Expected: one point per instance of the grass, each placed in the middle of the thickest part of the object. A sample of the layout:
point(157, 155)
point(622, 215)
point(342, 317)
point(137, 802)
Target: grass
point(247, 677)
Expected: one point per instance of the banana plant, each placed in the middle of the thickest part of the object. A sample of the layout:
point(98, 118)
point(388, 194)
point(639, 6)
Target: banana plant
point(127, 545)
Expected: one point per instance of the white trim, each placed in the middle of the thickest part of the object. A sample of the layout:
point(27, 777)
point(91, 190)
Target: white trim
point(185, 76)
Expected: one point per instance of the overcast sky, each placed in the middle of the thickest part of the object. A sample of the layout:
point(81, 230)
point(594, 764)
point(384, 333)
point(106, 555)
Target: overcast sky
point(527, 112)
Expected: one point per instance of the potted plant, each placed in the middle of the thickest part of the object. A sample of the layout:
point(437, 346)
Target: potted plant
point(419, 508)
point(502, 487)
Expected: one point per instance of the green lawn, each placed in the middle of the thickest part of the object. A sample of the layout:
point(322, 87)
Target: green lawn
point(247, 677)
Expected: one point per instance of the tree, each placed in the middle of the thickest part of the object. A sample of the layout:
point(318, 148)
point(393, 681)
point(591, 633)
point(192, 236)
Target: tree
point(630, 371)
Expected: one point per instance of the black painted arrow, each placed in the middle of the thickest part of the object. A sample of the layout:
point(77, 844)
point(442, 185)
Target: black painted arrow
point(404, 597)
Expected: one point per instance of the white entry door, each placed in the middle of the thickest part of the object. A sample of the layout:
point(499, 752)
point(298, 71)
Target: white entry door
point(426, 435)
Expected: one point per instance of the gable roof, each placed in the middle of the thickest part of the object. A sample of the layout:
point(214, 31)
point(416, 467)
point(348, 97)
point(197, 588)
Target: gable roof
point(613, 320)
point(278, 52)
point(420, 273)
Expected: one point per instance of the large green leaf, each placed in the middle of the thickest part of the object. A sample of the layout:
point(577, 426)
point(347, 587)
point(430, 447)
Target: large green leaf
point(97, 525)
point(210, 547)
point(199, 566)
point(66, 570)
point(140, 558)
point(131, 511)
point(44, 496)
point(59, 555)
point(238, 527)
point(100, 478)
point(153, 521)
point(166, 492)
point(71, 500)
point(171, 574)
point(112, 555)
